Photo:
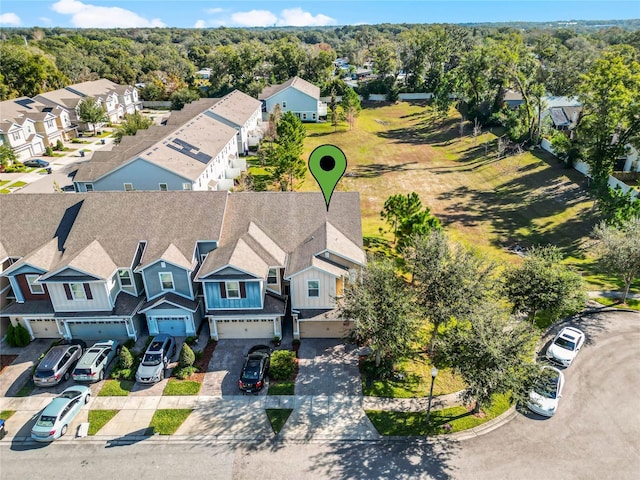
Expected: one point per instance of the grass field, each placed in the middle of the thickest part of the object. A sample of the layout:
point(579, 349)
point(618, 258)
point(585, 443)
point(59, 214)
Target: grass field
point(167, 421)
point(116, 388)
point(99, 418)
point(483, 201)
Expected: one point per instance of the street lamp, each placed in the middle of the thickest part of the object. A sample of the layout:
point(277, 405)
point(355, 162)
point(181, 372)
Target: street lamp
point(434, 372)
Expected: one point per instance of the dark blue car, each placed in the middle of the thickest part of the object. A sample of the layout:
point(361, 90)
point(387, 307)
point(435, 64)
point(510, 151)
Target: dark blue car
point(36, 163)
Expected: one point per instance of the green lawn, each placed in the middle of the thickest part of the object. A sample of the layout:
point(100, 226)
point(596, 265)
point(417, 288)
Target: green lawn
point(99, 418)
point(116, 388)
point(3, 182)
point(181, 387)
point(6, 414)
point(167, 421)
point(278, 417)
point(448, 420)
point(281, 387)
point(632, 303)
point(413, 379)
point(26, 389)
point(483, 201)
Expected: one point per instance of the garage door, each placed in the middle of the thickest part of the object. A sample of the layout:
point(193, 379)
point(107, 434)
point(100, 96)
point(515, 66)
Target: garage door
point(323, 329)
point(44, 327)
point(101, 330)
point(257, 328)
point(176, 326)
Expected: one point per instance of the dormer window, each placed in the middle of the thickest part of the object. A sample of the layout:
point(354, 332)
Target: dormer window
point(272, 277)
point(125, 278)
point(166, 280)
point(34, 288)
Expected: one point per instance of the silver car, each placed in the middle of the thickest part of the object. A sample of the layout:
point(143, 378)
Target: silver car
point(56, 365)
point(93, 364)
point(158, 355)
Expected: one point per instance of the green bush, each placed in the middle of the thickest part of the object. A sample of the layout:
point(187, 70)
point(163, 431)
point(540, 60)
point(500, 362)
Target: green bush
point(283, 365)
point(184, 372)
point(130, 343)
point(187, 357)
point(125, 359)
point(123, 374)
point(18, 336)
point(191, 340)
point(11, 335)
point(59, 145)
point(48, 151)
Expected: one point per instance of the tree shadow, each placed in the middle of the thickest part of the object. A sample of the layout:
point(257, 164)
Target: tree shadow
point(375, 170)
point(439, 134)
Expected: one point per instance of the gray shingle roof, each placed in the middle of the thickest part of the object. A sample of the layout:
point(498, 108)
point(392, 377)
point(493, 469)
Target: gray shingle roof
point(236, 107)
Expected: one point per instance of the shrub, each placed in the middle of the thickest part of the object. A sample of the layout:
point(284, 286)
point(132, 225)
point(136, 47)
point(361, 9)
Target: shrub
point(191, 340)
point(48, 151)
point(184, 372)
point(125, 359)
point(18, 336)
point(122, 373)
point(11, 335)
point(187, 357)
point(283, 365)
point(130, 343)
point(59, 145)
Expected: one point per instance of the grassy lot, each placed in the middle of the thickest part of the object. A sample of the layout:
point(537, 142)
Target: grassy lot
point(6, 414)
point(414, 380)
point(632, 303)
point(181, 387)
point(281, 387)
point(448, 420)
point(484, 202)
point(167, 421)
point(278, 417)
point(116, 388)
point(99, 418)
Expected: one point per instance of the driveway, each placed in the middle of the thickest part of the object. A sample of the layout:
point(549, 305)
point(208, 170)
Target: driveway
point(327, 367)
point(225, 365)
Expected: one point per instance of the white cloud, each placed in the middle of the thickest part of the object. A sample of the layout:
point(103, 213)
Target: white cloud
point(296, 17)
point(45, 20)
point(84, 15)
point(200, 24)
point(213, 11)
point(9, 19)
point(254, 18)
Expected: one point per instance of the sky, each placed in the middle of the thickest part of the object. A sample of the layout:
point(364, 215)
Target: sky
point(251, 13)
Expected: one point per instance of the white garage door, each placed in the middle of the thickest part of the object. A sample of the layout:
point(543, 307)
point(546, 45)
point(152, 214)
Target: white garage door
point(323, 329)
point(101, 330)
point(176, 326)
point(44, 327)
point(256, 328)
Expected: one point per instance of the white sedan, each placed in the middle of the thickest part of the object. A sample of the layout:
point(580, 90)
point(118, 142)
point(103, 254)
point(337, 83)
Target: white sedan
point(546, 393)
point(565, 346)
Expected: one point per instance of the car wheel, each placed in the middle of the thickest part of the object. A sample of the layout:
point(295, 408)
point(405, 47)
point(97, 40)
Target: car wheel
point(101, 376)
point(63, 431)
point(87, 398)
point(65, 377)
point(118, 349)
point(162, 375)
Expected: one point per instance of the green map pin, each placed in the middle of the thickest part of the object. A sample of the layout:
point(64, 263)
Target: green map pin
point(327, 164)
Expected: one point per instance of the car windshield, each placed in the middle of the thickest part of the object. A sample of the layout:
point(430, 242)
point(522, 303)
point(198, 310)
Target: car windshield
point(44, 373)
point(70, 394)
point(566, 343)
point(82, 371)
point(46, 421)
point(252, 370)
point(547, 386)
point(151, 359)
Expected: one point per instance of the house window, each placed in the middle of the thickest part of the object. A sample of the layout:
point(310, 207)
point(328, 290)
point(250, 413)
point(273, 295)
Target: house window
point(272, 276)
point(284, 104)
point(313, 115)
point(166, 280)
point(128, 187)
point(186, 186)
point(304, 116)
point(125, 278)
point(163, 187)
point(34, 287)
point(16, 135)
point(77, 291)
point(313, 288)
point(233, 289)
point(89, 187)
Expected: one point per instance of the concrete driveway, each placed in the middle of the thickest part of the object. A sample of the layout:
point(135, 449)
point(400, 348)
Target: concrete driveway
point(327, 367)
point(225, 365)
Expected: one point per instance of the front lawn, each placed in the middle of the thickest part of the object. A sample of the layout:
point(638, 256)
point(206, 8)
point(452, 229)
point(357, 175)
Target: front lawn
point(448, 420)
point(278, 417)
point(6, 414)
point(412, 379)
point(281, 388)
point(26, 389)
point(116, 388)
point(181, 387)
point(99, 418)
point(167, 421)
point(632, 303)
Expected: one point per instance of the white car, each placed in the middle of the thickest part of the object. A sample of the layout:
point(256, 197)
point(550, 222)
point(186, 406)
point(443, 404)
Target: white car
point(56, 417)
point(565, 346)
point(546, 393)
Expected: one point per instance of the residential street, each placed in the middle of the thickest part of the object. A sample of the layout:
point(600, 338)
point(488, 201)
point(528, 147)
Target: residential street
point(594, 435)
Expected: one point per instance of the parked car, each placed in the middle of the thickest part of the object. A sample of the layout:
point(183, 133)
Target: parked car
point(36, 162)
point(547, 391)
point(255, 369)
point(158, 355)
point(93, 364)
point(565, 346)
point(57, 364)
point(54, 420)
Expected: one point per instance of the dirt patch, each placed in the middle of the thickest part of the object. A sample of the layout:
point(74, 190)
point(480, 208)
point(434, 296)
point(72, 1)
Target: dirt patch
point(5, 361)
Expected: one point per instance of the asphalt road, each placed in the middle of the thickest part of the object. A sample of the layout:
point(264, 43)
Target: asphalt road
point(594, 435)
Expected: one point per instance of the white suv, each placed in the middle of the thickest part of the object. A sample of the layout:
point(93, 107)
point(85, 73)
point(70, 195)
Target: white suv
point(158, 355)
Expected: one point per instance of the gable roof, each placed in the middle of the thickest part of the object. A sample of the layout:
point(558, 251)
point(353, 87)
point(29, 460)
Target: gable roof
point(296, 83)
point(236, 107)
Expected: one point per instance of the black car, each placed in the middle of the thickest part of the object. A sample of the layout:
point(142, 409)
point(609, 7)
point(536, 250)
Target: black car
point(36, 162)
point(255, 369)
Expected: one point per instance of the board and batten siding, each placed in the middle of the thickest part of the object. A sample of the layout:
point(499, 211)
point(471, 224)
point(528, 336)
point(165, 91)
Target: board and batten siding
point(295, 100)
point(99, 302)
point(327, 284)
point(213, 296)
point(181, 280)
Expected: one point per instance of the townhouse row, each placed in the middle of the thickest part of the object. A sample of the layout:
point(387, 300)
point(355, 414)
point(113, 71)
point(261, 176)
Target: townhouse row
point(122, 264)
